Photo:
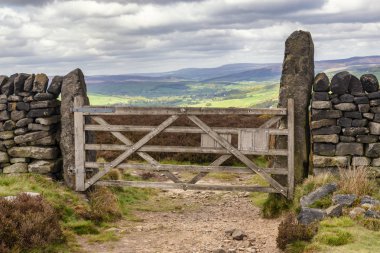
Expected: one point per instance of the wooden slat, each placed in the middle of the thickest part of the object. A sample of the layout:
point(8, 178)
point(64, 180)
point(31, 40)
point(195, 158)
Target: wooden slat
point(182, 149)
point(219, 161)
point(132, 149)
point(105, 110)
point(185, 186)
point(143, 155)
point(238, 154)
point(291, 148)
point(190, 168)
point(271, 122)
point(80, 172)
point(174, 129)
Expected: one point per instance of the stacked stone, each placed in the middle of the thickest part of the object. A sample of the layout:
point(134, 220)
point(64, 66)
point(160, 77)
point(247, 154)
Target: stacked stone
point(29, 123)
point(345, 121)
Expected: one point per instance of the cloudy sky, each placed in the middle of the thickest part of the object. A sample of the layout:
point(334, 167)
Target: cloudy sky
point(129, 36)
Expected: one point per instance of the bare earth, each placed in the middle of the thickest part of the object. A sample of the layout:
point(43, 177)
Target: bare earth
point(199, 228)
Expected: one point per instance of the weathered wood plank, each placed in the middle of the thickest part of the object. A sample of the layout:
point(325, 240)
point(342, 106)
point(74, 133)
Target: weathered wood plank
point(132, 149)
point(174, 129)
point(80, 172)
point(238, 154)
point(291, 149)
point(185, 186)
point(190, 168)
point(143, 155)
point(181, 149)
point(104, 110)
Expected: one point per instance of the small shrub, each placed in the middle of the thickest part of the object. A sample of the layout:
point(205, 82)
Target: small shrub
point(104, 204)
point(356, 180)
point(290, 231)
point(370, 223)
point(26, 223)
point(296, 247)
point(274, 205)
point(334, 237)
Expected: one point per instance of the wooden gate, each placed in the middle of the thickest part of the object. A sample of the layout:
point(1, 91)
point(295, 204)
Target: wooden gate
point(214, 140)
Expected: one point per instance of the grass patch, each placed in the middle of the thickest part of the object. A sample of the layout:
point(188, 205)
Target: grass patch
point(82, 227)
point(275, 205)
point(334, 237)
point(356, 180)
point(223, 176)
point(323, 203)
point(106, 236)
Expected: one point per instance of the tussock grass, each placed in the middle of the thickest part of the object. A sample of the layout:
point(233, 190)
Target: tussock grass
point(356, 180)
point(104, 204)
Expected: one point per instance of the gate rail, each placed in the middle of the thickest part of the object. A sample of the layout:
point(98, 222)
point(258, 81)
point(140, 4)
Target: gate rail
point(215, 140)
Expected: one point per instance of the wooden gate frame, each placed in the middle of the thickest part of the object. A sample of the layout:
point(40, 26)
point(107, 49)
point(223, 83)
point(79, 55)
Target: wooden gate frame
point(224, 147)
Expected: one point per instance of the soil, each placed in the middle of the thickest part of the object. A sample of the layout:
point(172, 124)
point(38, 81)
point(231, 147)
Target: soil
point(200, 227)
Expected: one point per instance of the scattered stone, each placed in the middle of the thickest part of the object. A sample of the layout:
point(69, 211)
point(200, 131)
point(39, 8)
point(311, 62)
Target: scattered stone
point(356, 212)
point(344, 199)
point(238, 235)
point(319, 193)
point(34, 152)
point(372, 214)
point(334, 211)
point(343, 149)
point(369, 200)
point(330, 161)
point(331, 138)
point(309, 215)
point(369, 83)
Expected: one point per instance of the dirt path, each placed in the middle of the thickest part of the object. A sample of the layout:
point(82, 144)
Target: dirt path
point(199, 229)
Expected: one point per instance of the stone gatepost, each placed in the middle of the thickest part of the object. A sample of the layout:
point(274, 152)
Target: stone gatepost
point(296, 82)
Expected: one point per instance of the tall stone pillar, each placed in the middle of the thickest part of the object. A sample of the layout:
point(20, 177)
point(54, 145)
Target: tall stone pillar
point(73, 85)
point(296, 82)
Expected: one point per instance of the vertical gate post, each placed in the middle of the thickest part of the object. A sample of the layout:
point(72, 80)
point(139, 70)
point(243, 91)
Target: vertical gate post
point(296, 82)
point(80, 173)
point(290, 148)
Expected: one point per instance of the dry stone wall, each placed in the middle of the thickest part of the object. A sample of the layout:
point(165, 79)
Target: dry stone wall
point(345, 121)
point(30, 124)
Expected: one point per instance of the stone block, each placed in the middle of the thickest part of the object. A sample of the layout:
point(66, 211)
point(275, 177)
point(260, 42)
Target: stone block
point(327, 130)
point(326, 114)
point(330, 161)
point(344, 199)
point(343, 149)
point(369, 83)
point(340, 83)
point(353, 131)
point(317, 194)
point(4, 157)
point(16, 168)
point(309, 215)
point(17, 115)
point(45, 112)
point(320, 96)
point(368, 115)
point(374, 102)
point(40, 83)
point(321, 105)
point(12, 106)
point(33, 136)
point(353, 115)
point(326, 149)
point(44, 104)
point(373, 95)
point(375, 162)
point(3, 99)
point(14, 98)
point(346, 107)
point(359, 122)
point(6, 135)
point(344, 122)
point(4, 115)
point(330, 138)
point(46, 141)
point(374, 128)
point(43, 96)
point(346, 98)
point(367, 138)
point(39, 127)
point(34, 152)
point(361, 161)
point(361, 100)
point(343, 138)
point(375, 109)
point(334, 211)
point(3, 107)
point(363, 108)
point(321, 123)
point(48, 120)
point(372, 150)
point(42, 166)
point(19, 160)
point(9, 125)
point(24, 122)
point(55, 86)
point(321, 82)
point(21, 131)
point(28, 84)
point(22, 106)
